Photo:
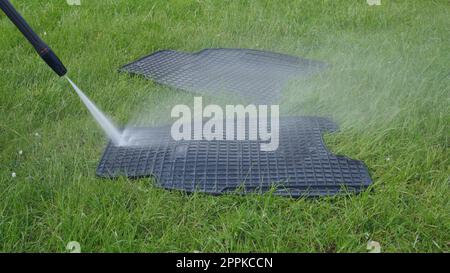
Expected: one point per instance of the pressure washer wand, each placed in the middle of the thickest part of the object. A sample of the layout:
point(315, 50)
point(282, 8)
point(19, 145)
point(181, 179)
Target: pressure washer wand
point(42, 49)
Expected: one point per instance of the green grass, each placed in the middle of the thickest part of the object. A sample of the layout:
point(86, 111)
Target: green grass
point(388, 88)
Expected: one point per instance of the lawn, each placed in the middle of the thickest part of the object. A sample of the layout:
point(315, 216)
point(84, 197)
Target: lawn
point(388, 87)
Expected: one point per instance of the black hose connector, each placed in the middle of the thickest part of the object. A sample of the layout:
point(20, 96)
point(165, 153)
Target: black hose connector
point(41, 48)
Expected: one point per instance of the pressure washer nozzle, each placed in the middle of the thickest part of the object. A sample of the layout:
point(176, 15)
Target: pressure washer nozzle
point(53, 61)
point(41, 48)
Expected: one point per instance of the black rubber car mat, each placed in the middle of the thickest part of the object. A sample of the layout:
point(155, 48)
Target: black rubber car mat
point(257, 75)
point(301, 166)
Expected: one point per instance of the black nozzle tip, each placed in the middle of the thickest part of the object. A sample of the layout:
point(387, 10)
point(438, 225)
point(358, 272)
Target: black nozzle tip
point(53, 61)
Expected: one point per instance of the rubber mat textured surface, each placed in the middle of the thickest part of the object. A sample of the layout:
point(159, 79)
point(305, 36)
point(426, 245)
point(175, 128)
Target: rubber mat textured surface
point(257, 75)
point(301, 166)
